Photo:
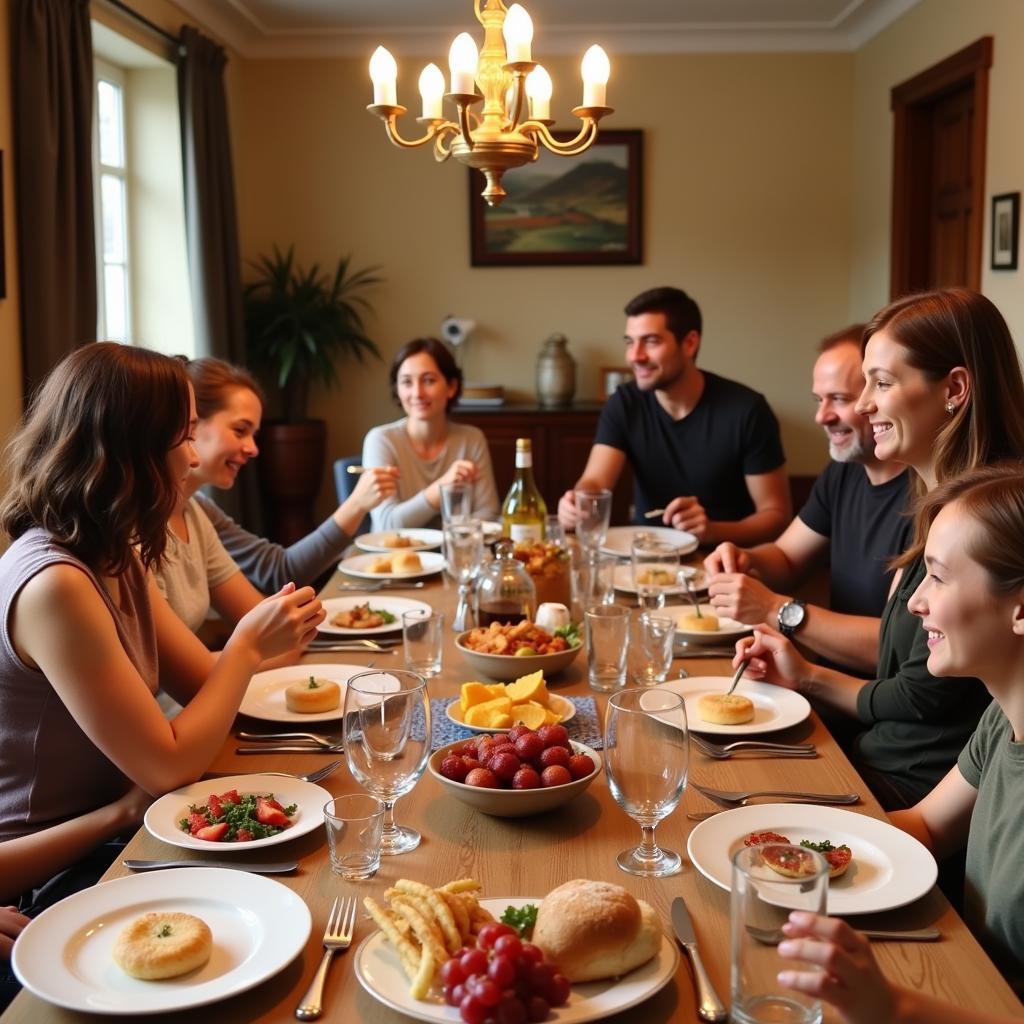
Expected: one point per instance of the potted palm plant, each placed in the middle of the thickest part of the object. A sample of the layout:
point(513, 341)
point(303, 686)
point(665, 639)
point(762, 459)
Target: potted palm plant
point(297, 323)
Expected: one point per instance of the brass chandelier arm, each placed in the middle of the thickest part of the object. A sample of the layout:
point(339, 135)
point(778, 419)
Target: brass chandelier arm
point(434, 129)
point(517, 101)
point(573, 147)
point(449, 132)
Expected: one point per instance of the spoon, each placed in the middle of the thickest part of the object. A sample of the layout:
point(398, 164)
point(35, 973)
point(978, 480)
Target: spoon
point(688, 583)
point(736, 676)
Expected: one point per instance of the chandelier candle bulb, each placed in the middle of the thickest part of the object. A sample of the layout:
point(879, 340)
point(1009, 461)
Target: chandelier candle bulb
point(432, 91)
point(518, 32)
point(463, 58)
point(539, 89)
point(384, 75)
point(596, 70)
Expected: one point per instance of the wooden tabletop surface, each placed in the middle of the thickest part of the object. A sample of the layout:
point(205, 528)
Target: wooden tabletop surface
point(527, 857)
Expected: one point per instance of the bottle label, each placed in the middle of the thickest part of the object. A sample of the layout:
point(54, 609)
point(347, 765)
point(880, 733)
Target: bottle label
point(526, 533)
point(524, 460)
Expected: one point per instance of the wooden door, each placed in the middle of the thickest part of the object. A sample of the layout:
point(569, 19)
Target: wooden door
point(952, 210)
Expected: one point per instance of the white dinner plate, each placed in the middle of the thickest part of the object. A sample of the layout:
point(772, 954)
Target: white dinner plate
point(265, 698)
point(377, 602)
point(358, 565)
point(258, 926)
point(380, 972)
point(890, 868)
point(619, 539)
point(775, 707)
point(421, 540)
point(728, 629)
point(164, 814)
point(623, 580)
point(560, 705)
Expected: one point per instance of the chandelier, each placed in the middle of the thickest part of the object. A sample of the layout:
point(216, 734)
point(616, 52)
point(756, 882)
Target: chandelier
point(497, 138)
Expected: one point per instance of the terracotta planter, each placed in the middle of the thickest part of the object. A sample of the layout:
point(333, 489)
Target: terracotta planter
point(291, 465)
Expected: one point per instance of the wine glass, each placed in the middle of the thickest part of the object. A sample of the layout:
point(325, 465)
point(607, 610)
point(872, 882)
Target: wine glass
point(595, 509)
point(655, 569)
point(464, 545)
point(646, 756)
point(387, 742)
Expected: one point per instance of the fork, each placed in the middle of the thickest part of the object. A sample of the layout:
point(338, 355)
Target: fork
point(739, 798)
point(723, 753)
point(370, 645)
point(372, 588)
point(315, 737)
point(337, 935)
point(320, 773)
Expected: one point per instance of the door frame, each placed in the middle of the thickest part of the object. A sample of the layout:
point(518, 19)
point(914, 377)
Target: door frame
point(910, 101)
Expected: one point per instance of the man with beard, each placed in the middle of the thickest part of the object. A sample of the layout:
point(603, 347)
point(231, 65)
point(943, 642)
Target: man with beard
point(704, 449)
point(855, 521)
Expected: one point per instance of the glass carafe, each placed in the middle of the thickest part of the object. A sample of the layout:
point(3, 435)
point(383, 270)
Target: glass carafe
point(504, 590)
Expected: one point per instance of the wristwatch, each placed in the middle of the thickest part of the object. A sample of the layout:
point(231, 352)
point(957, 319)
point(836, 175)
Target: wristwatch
point(791, 617)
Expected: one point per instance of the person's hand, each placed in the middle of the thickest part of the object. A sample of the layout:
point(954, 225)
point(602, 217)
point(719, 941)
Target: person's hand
point(727, 558)
point(11, 924)
point(850, 979)
point(282, 622)
point(687, 514)
point(743, 598)
point(374, 486)
point(773, 659)
point(568, 513)
point(132, 807)
point(461, 471)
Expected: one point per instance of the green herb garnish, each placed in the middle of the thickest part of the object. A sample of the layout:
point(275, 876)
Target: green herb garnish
point(824, 847)
point(165, 931)
point(313, 684)
point(385, 615)
point(571, 633)
point(521, 918)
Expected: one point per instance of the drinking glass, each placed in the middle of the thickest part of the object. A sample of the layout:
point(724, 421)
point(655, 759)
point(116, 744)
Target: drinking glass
point(456, 502)
point(655, 570)
point(384, 747)
point(592, 580)
point(760, 903)
point(353, 824)
point(554, 533)
point(595, 509)
point(423, 639)
point(646, 755)
point(464, 544)
point(607, 638)
point(650, 648)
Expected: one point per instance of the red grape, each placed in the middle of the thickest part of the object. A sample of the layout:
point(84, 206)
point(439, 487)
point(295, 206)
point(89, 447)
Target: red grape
point(554, 735)
point(540, 977)
point(581, 765)
point(471, 1010)
point(502, 969)
point(452, 973)
point(511, 1011)
point(453, 767)
point(529, 745)
point(471, 763)
point(555, 775)
point(504, 765)
point(491, 932)
point(537, 1008)
point(473, 962)
point(557, 992)
point(518, 730)
point(526, 778)
point(555, 755)
point(483, 778)
point(508, 945)
point(485, 990)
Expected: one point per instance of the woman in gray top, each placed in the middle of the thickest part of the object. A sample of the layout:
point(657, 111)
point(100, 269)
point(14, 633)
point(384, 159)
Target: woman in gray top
point(971, 604)
point(425, 446)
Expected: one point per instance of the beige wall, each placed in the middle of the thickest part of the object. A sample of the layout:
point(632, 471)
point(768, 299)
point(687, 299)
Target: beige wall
point(747, 197)
point(925, 35)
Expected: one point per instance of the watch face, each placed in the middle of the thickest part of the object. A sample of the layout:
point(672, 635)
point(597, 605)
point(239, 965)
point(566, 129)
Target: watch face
point(791, 615)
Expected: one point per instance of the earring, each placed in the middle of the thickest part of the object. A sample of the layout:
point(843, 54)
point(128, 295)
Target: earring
point(951, 407)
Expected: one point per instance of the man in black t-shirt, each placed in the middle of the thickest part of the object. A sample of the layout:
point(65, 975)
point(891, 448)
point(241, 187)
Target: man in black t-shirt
point(855, 521)
point(702, 448)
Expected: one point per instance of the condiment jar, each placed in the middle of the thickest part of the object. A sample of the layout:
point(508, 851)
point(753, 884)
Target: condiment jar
point(504, 590)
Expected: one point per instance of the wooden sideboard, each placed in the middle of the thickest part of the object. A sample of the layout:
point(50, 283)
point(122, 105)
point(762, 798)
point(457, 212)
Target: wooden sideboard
point(561, 440)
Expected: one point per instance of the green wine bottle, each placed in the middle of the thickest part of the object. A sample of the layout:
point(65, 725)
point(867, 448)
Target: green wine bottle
point(522, 514)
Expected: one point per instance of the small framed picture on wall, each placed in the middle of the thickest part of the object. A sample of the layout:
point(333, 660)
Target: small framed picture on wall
point(1005, 230)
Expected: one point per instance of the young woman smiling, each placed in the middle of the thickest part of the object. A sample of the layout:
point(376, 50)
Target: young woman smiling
point(427, 448)
point(944, 394)
point(971, 603)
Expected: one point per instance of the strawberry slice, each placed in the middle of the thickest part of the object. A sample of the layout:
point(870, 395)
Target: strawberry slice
point(267, 814)
point(214, 805)
point(230, 797)
point(197, 821)
point(273, 803)
point(213, 833)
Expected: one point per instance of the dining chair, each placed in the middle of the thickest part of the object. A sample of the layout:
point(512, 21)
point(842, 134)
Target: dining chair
point(345, 482)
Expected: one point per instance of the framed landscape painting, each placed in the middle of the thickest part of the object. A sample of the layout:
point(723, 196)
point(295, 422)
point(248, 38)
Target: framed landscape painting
point(563, 211)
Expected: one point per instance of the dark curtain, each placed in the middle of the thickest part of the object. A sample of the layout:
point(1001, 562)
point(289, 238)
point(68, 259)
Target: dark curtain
point(51, 49)
point(212, 226)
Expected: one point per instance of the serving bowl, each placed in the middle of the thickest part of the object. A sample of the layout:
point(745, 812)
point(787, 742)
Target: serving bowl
point(514, 803)
point(508, 667)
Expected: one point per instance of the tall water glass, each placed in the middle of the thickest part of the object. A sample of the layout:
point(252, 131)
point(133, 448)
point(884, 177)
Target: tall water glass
point(650, 648)
point(760, 903)
point(456, 502)
point(607, 639)
point(655, 570)
point(387, 742)
point(646, 757)
point(595, 509)
point(464, 543)
point(592, 580)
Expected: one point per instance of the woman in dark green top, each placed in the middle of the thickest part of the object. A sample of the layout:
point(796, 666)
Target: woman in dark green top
point(971, 603)
point(943, 394)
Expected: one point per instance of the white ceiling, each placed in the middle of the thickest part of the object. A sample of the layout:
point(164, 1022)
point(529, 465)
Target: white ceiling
point(295, 28)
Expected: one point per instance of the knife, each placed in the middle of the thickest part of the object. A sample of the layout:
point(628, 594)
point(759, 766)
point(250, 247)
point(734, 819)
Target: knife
point(709, 1006)
point(267, 749)
point(257, 868)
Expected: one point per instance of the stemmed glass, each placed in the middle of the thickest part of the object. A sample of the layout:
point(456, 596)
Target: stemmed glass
point(655, 570)
point(595, 509)
point(464, 545)
point(384, 746)
point(646, 756)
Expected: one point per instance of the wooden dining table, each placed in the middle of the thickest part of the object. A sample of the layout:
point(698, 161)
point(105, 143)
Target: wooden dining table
point(527, 857)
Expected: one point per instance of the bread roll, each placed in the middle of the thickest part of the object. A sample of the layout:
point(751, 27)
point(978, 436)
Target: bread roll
point(382, 564)
point(703, 623)
point(312, 695)
point(406, 561)
point(594, 930)
point(163, 945)
point(725, 709)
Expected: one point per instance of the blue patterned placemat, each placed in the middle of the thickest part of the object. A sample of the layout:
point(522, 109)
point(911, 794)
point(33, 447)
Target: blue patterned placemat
point(583, 727)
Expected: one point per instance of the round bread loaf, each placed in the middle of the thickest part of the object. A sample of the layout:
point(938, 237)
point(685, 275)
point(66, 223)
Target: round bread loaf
point(310, 695)
point(594, 930)
point(725, 709)
point(163, 945)
point(406, 561)
point(695, 623)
